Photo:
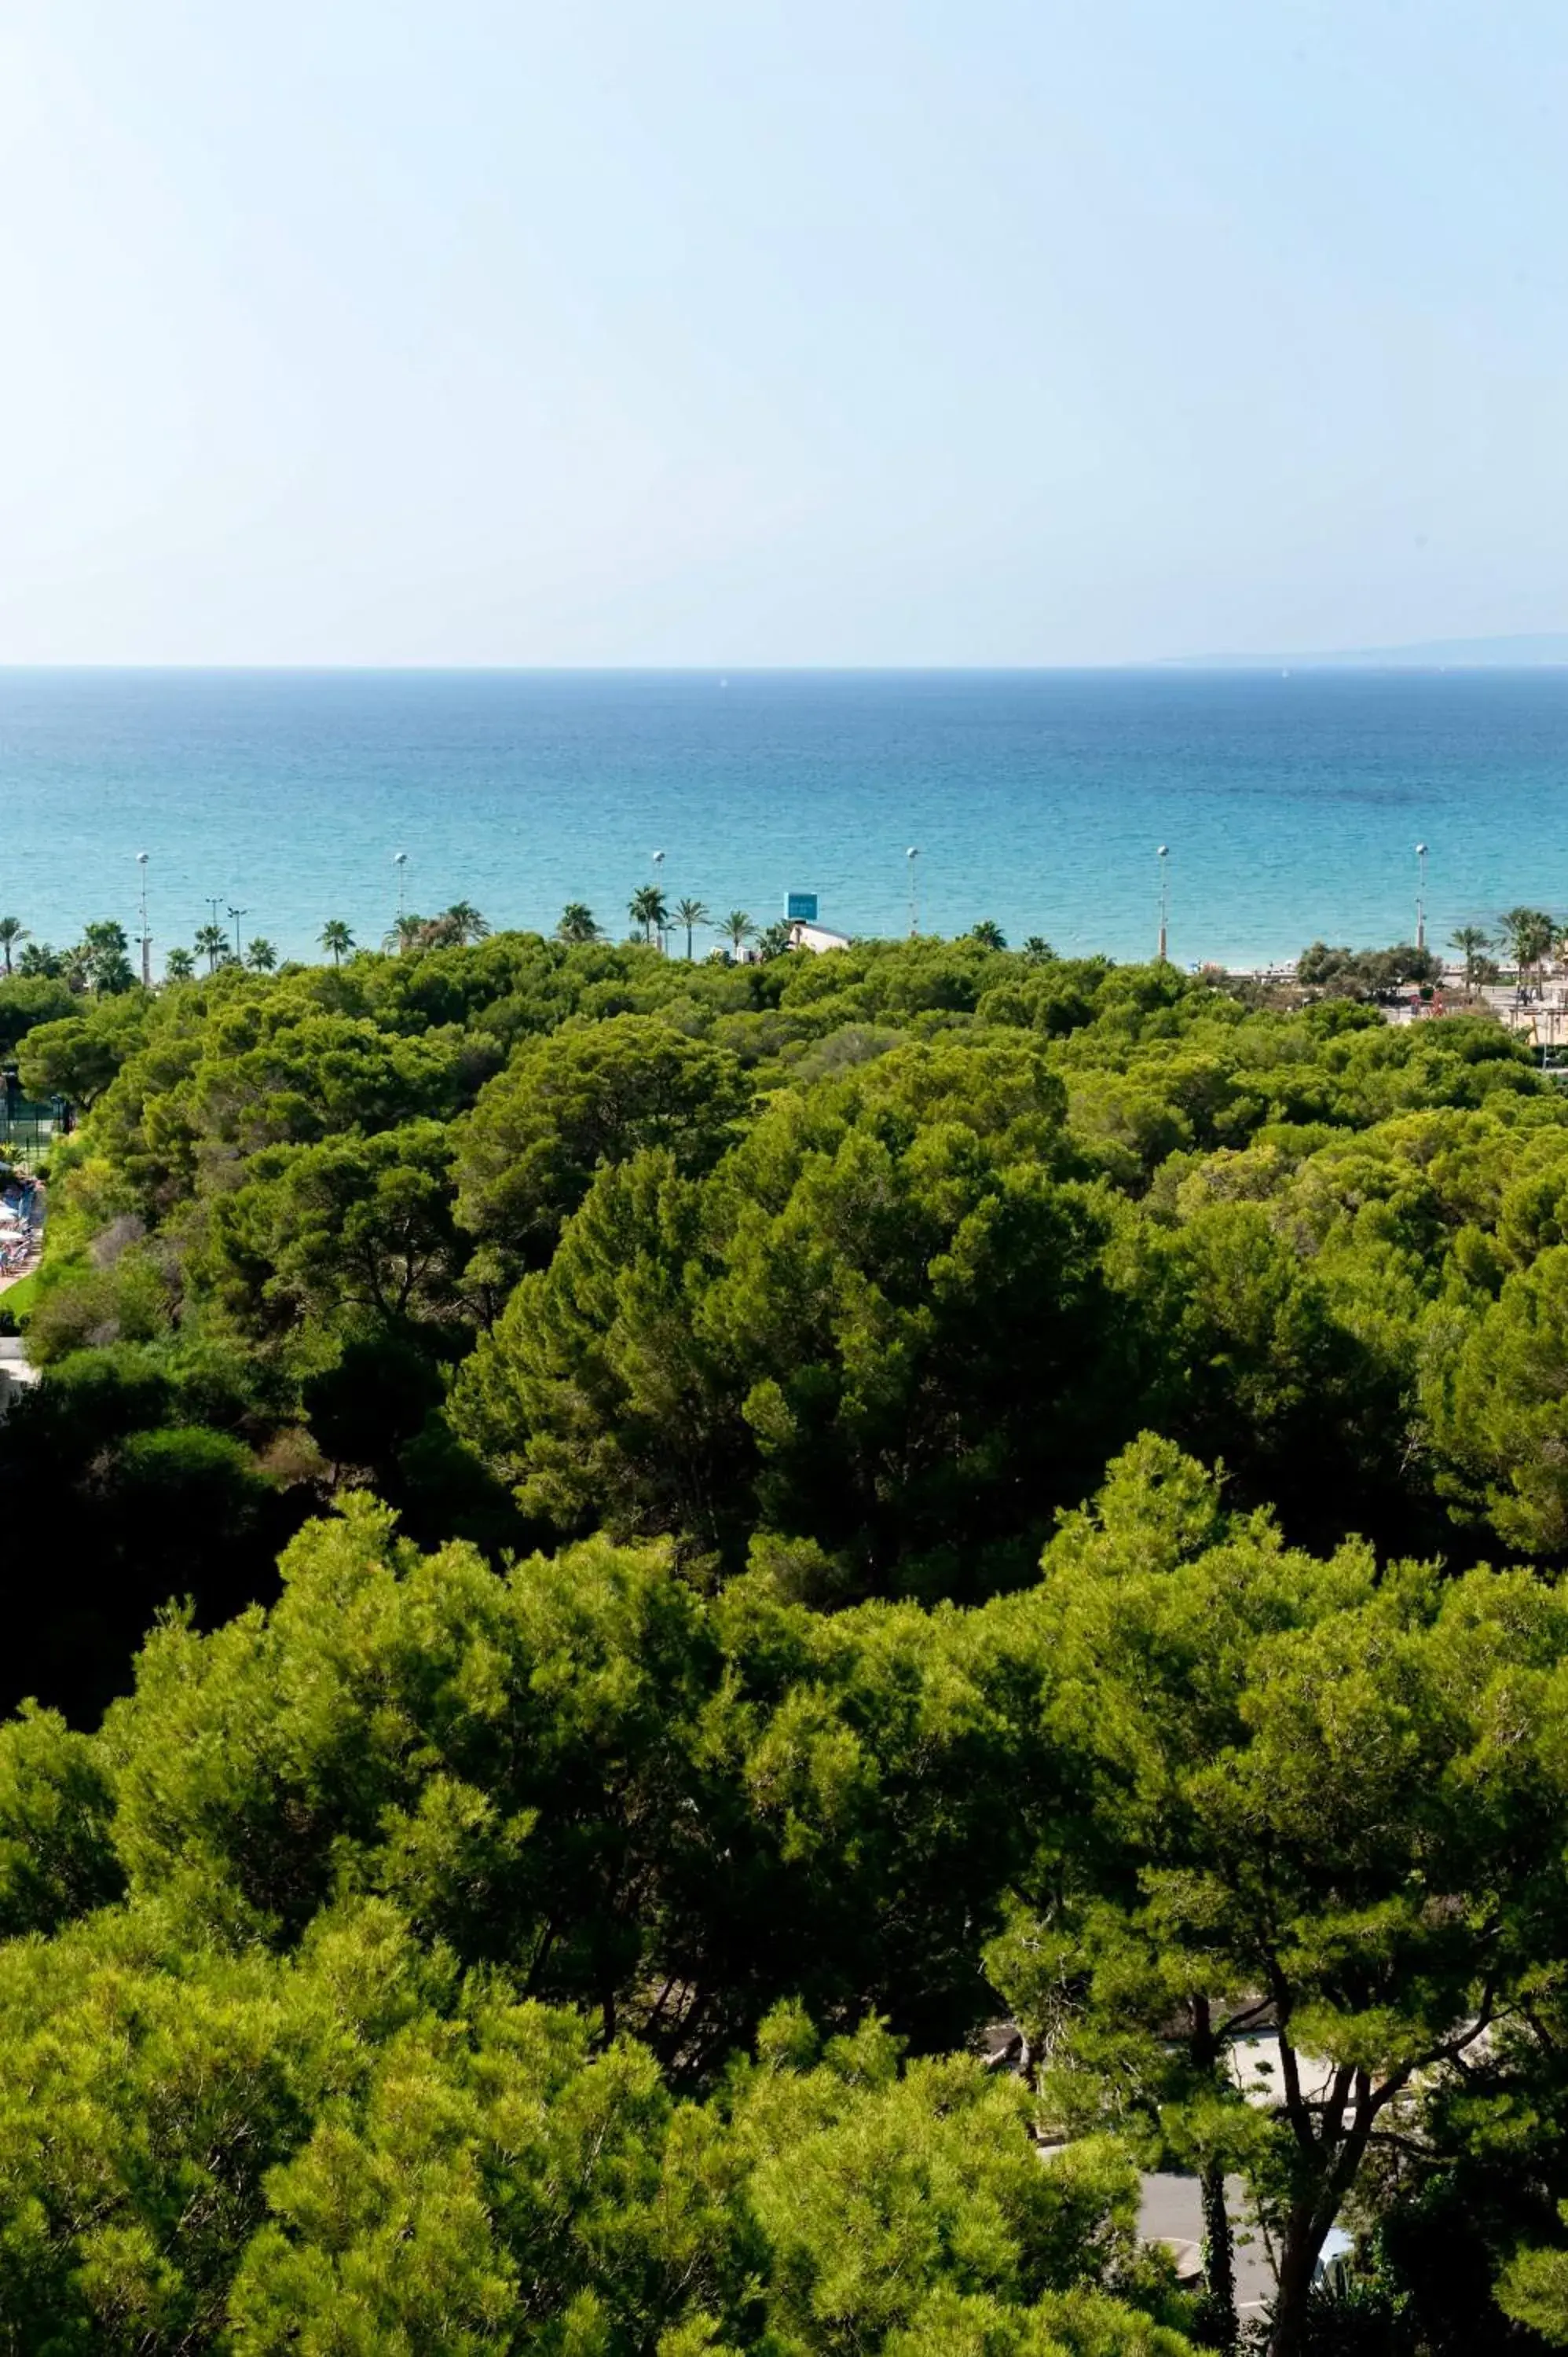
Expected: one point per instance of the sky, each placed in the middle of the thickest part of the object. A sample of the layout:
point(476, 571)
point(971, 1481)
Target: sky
point(732, 333)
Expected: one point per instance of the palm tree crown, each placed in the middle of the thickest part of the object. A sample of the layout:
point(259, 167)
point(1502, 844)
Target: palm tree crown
point(737, 929)
point(1473, 944)
point(577, 923)
point(260, 956)
point(691, 913)
point(12, 931)
point(335, 940)
point(211, 942)
point(1530, 933)
point(649, 909)
point(462, 924)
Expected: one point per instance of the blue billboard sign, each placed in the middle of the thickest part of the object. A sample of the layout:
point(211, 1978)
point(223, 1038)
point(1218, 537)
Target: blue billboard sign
point(800, 909)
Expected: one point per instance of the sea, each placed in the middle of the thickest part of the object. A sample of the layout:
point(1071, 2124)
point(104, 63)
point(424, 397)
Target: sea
point(1290, 803)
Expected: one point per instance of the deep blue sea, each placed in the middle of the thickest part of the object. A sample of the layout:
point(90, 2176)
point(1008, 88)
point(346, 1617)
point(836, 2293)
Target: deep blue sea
point(1292, 805)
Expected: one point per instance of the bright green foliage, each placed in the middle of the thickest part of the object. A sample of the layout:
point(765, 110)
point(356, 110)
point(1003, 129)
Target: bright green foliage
point(588, 1773)
point(1503, 1412)
point(28, 1001)
point(56, 1806)
point(876, 1258)
point(80, 1055)
point(306, 2080)
point(354, 1224)
point(261, 1082)
point(1297, 1783)
point(903, 2204)
point(1533, 2290)
point(145, 2093)
point(489, 2184)
point(567, 1106)
point(357, 2149)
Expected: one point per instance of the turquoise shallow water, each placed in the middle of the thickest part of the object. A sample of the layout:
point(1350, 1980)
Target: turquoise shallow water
point(1292, 805)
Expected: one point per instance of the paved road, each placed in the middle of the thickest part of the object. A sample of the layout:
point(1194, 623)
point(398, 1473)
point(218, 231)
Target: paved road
point(1170, 2212)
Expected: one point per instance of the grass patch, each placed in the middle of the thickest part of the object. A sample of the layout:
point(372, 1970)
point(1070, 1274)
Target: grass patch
point(21, 1298)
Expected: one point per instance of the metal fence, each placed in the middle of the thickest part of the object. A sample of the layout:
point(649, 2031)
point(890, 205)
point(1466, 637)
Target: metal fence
point(28, 1124)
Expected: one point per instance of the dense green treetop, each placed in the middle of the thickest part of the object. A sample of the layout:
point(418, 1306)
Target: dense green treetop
point(880, 1255)
point(547, 1902)
point(311, 1894)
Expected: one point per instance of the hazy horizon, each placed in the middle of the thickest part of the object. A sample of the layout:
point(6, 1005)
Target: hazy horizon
point(695, 338)
point(1537, 650)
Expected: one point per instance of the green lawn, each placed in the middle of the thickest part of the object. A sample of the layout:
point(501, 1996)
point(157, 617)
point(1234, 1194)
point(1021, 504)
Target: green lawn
point(19, 1298)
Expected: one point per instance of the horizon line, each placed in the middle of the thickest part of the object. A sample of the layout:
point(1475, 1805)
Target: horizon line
point(1392, 660)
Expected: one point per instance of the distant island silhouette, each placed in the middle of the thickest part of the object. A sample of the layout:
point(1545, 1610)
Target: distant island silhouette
point(1538, 650)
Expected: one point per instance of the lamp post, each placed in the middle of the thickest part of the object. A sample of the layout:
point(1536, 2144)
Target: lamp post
point(657, 861)
point(911, 855)
point(146, 937)
point(1164, 898)
point(1420, 895)
point(399, 861)
point(237, 914)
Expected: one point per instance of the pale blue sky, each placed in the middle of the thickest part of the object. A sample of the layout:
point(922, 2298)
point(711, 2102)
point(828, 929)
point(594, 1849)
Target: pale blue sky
point(777, 331)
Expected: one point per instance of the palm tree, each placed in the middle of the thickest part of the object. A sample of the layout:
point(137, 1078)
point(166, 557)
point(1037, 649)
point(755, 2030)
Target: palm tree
point(691, 913)
point(577, 924)
point(462, 924)
point(12, 931)
point(737, 930)
point(453, 928)
point(211, 942)
point(409, 932)
point(989, 934)
point(1472, 945)
point(647, 908)
point(1530, 933)
point(99, 961)
point(1037, 950)
point(179, 965)
point(260, 956)
point(335, 940)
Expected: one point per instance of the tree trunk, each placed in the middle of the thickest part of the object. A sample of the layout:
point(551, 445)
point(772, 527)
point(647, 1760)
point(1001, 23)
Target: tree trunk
point(1217, 2326)
point(1304, 2239)
point(1306, 2230)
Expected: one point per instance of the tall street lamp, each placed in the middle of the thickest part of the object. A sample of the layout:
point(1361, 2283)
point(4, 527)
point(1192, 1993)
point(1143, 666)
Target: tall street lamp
point(1420, 895)
point(911, 855)
point(146, 937)
point(1164, 898)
